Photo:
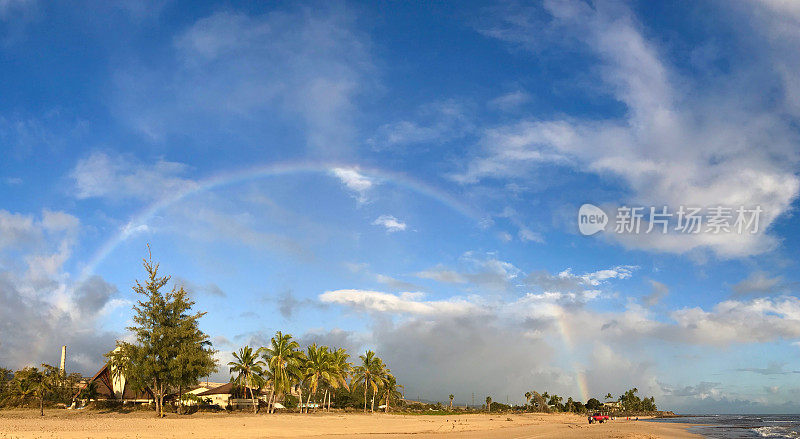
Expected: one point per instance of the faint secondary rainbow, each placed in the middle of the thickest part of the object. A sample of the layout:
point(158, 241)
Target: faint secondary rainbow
point(265, 171)
point(566, 336)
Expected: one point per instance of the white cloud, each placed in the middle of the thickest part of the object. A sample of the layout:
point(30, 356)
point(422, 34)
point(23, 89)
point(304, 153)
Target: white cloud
point(510, 101)
point(759, 283)
point(779, 21)
point(435, 123)
point(673, 147)
point(526, 234)
point(404, 303)
point(117, 177)
point(701, 390)
point(441, 274)
point(251, 75)
point(483, 272)
point(131, 229)
point(355, 181)
point(586, 283)
point(16, 228)
point(390, 223)
point(33, 234)
point(59, 221)
point(757, 321)
point(618, 272)
point(42, 308)
point(659, 291)
point(395, 284)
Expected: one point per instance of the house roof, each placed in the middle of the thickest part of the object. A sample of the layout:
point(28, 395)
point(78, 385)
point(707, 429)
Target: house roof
point(202, 387)
point(105, 388)
point(221, 390)
point(225, 389)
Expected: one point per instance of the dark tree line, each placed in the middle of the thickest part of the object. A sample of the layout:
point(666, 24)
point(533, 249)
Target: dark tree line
point(36, 386)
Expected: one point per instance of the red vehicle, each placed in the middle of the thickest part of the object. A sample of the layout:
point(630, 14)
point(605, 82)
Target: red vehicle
point(598, 417)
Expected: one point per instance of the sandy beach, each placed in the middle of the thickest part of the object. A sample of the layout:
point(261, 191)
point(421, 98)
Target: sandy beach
point(19, 424)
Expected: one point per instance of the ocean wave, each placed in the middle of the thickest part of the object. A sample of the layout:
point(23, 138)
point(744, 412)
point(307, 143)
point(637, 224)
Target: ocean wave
point(776, 431)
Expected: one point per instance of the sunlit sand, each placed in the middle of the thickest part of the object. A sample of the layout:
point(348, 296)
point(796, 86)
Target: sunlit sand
point(92, 424)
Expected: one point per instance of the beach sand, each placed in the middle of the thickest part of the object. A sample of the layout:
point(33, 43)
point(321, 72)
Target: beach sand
point(143, 425)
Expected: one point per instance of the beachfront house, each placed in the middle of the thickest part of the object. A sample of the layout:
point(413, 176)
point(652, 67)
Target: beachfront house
point(233, 395)
point(191, 397)
point(113, 386)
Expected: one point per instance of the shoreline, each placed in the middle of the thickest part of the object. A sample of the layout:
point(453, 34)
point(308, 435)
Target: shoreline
point(24, 424)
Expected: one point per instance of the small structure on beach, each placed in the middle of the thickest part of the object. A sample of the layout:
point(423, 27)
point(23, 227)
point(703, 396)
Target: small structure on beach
point(233, 395)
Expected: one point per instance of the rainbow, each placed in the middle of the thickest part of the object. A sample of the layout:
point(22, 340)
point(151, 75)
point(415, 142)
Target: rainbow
point(224, 179)
point(566, 336)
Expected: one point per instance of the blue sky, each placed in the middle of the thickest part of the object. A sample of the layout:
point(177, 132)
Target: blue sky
point(407, 178)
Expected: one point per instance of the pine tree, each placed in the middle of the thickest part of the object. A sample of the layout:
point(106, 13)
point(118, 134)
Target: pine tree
point(170, 351)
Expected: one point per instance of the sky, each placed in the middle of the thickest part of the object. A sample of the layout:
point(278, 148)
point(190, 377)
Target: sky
point(407, 178)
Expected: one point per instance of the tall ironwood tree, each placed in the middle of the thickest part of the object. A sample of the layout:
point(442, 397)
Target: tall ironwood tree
point(170, 351)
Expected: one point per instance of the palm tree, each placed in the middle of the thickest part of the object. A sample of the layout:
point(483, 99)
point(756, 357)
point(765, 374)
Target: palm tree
point(340, 371)
point(451, 401)
point(381, 375)
point(369, 375)
point(489, 403)
point(555, 400)
point(283, 362)
point(249, 370)
point(390, 387)
point(528, 396)
point(298, 376)
point(24, 383)
point(31, 381)
point(608, 396)
point(317, 369)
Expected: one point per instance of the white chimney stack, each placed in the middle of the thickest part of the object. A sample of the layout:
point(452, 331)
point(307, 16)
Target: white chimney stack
point(63, 366)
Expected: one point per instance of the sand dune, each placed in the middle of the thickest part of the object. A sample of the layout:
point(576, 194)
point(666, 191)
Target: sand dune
point(19, 424)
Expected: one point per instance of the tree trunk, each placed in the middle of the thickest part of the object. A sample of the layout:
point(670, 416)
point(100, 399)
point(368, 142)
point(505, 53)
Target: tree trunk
point(300, 392)
point(180, 405)
point(324, 399)
point(155, 396)
point(308, 402)
point(161, 400)
point(41, 406)
point(372, 404)
point(386, 409)
point(270, 402)
point(253, 397)
point(365, 396)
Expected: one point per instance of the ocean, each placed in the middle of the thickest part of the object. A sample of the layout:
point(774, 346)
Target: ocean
point(742, 426)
